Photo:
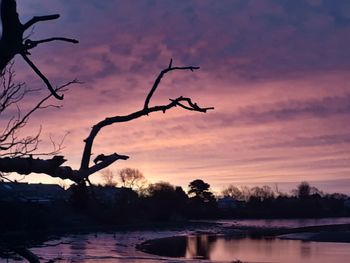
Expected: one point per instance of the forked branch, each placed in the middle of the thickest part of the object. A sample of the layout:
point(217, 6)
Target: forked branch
point(159, 78)
point(37, 19)
point(42, 76)
point(11, 144)
point(143, 112)
point(54, 168)
point(13, 42)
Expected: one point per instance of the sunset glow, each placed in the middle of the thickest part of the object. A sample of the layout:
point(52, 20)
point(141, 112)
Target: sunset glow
point(276, 72)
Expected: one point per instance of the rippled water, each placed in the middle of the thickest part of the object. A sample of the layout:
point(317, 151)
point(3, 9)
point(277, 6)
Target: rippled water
point(100, 248)
point(187, 247)
point(290, 223)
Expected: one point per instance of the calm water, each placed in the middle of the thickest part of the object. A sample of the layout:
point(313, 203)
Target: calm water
point(225, 249)
point(187, 247)
point(290, 223)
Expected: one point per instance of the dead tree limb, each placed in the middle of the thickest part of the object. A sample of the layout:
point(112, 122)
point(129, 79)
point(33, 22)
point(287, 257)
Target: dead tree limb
point(11, 94)
point(13, 42)
point(54, 168)
point(42, 76)
point(145, 111)
point(159, 78)
point(14, 142)
point(37, 19)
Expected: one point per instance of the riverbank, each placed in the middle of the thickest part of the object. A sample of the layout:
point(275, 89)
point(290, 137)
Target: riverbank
point(122, 243)
point(327, 233)
point(116, 244)
point(59, 238)
point(258, 244)
point(320, 233)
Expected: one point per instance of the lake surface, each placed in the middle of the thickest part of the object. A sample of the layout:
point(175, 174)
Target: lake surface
point(188, 246)
point(289, 223)
point(227, 249)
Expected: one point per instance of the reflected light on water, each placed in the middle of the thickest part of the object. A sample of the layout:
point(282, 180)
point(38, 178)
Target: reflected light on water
point(165, 246)
point(221, 248)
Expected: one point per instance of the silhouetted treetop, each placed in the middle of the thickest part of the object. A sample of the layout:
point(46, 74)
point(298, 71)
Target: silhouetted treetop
point(130, 177)
point(200, 190)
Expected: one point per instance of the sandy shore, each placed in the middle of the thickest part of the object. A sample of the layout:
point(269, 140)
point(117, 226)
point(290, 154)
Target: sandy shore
point(320, 233)
point(327, 233)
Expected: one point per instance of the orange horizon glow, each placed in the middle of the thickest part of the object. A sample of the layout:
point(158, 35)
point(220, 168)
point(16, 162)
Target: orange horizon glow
point(279, 85)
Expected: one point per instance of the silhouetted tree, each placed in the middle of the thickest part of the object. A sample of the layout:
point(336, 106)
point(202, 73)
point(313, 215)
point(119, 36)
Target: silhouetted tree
point(262, 193)
point(14, 140)
point(303, 190)
point(13, 144)
point(132, 178)
point(109, 178)
point(80, 196)
point(166, 200)
point(202, 202)
point(160, 189)
point(17, 154)
point(234, 192)
point(12, 43)
point(200, 190)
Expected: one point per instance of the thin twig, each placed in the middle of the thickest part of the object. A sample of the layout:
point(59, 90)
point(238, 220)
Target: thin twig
point(37, 19)
point(29, 44)
point(42, 76)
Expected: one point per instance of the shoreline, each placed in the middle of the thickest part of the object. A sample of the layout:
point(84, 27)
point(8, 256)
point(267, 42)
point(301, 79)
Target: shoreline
point(329, 233)
point(142, 233)
point(318, 233)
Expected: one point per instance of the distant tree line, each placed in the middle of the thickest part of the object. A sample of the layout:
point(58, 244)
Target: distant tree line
point(304, 201)
point(163, 201)
point(137, 202)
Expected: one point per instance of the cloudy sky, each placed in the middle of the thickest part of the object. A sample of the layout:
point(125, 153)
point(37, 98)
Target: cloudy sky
point(277, 73)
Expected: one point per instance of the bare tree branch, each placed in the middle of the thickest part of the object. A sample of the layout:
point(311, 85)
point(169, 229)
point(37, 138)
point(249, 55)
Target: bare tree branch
point(10, 95)
point(191, 106)
point(52, 167)
point(29, 44)
point(159, 78)
point(37, 19)
point(24, 119)
point(42, 76)
point(145, 111)
point(12, 41)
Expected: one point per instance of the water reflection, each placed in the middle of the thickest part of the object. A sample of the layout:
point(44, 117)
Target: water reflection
point(223, 248)
point(78, 246)
point(199, 246)
point(120, 246)
point(305, 250)
point(290, 223)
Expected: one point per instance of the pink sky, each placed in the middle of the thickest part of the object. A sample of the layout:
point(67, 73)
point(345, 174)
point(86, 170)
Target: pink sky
point(277, 73)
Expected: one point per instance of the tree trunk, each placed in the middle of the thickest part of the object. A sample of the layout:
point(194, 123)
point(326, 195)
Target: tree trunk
point(12, 33)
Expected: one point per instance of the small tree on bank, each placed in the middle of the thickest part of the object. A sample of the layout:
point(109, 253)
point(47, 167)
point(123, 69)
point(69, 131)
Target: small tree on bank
point(233, 191)
point(132, 178)
point(109, 178)
point(198, 189)
point(202, 201)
